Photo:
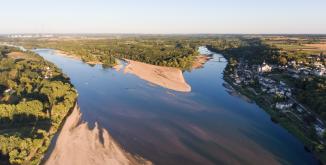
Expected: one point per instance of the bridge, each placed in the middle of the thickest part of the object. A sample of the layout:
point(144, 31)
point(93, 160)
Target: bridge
point(220, 59)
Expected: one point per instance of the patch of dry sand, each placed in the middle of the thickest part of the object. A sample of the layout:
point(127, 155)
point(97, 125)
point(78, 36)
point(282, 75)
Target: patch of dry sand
point(320, 46)
point(168, 77)
point(118, 66)
point(77, 144)
point(200, 61)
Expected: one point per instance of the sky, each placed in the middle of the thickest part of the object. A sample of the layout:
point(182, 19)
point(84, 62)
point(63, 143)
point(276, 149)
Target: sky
point(163, 16)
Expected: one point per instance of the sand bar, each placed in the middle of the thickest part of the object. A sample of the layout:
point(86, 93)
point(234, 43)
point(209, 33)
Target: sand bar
point(168, 77)
point(78, 144)
point(200, 61)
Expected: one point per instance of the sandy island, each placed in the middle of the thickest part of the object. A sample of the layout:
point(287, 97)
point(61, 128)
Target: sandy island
point(168, 77)
point(77, 144)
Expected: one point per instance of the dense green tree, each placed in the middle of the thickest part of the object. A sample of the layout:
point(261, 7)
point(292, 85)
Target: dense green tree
point(282, 60)
point(24, 119)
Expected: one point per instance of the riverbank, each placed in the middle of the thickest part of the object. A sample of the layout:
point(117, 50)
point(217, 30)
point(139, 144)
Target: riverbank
point(200, 61)
point(282, 118)
point(76, 57)
point(78, 144)
point(234, 92)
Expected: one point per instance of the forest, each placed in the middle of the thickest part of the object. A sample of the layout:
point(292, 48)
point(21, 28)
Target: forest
point(35, 97)
point(170, 52)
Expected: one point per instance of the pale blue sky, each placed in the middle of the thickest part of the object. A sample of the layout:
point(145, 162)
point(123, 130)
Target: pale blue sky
point(164, 16)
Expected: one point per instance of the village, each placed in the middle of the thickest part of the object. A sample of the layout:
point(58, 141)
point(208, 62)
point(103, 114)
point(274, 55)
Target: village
point(8, 93)
point(264, 81)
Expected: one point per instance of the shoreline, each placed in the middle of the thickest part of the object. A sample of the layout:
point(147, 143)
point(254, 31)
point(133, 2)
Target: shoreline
point(291, 128)
point(233, 92)
point(55, 136)
point(75, 57)
point(200, 61)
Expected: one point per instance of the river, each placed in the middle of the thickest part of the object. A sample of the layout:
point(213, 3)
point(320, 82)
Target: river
point(205, 125)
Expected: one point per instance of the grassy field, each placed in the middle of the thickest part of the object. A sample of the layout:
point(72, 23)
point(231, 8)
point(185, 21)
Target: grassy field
point(299, 45)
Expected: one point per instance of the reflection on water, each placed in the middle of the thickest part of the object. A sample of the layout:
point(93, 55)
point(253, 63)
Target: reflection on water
point(204, 126)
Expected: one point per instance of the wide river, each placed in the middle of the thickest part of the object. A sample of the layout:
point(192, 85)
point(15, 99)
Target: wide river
point(204, 126)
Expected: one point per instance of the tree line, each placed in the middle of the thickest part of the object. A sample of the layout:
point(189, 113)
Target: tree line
point(35, 97)
point(163, 52)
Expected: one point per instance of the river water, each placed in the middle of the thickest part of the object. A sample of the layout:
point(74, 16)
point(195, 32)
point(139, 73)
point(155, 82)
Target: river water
point(204, 126)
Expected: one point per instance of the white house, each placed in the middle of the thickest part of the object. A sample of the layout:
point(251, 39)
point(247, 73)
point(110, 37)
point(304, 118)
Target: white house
point(320, 130)
point(283, 105)
point(264, 68)
point(292, 63)
point(320, 72)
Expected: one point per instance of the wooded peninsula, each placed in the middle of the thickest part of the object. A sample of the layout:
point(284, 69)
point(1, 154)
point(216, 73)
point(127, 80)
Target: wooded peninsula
point(35, 98)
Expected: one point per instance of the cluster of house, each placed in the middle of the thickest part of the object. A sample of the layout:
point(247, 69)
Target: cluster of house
point(284, 105)
point(319, 69)
point(315, 68)
point(281, 89)
point(272, 87)
point(245, 75)
point(30, 35)
point(47, 73)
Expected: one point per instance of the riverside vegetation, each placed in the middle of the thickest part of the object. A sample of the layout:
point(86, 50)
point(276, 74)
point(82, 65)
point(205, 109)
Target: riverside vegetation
point(163, 51)
point(35, 97)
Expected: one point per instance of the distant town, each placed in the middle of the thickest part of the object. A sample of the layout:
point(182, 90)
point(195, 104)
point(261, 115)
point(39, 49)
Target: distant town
point(274, 87)
point(30, 35)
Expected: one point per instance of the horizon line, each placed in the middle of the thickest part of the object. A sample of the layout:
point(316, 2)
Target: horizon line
point(122, 33)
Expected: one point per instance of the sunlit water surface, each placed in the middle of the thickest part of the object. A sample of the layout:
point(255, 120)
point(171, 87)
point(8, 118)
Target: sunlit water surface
point(204, 126)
